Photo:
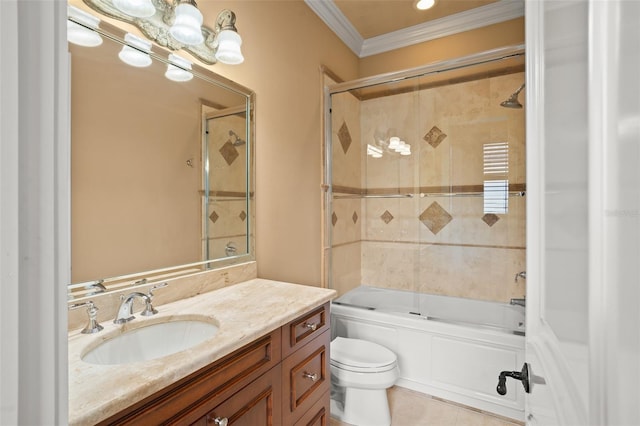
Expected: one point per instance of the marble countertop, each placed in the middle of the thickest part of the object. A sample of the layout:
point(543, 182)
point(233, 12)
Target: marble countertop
point(244, 312)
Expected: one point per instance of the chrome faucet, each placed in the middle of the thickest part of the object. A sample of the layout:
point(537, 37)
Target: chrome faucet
point(522, 275)
point(520, 302)
point(125, 311)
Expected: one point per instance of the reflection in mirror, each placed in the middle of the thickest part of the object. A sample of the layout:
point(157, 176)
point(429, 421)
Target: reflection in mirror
point(143, 199)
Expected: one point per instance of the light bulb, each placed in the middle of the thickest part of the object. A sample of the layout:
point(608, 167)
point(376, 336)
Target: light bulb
point(425, 4)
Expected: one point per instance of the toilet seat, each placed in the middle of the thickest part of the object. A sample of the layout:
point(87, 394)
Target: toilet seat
point(361, 356)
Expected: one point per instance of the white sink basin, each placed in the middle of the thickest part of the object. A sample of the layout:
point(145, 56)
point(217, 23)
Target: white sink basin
point(151, 341)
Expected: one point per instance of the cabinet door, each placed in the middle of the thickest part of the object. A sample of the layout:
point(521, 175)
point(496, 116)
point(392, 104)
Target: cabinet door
point(258, 404)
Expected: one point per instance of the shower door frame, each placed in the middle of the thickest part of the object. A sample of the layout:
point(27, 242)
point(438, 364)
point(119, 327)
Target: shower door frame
point(480, 58)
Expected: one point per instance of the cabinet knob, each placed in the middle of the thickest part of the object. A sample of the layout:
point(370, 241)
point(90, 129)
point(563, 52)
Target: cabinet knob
point(311, 376)
point(311, 326)
point(219, 421)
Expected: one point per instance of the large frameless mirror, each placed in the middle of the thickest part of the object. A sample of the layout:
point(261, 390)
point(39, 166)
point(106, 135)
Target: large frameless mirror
point(161, 165)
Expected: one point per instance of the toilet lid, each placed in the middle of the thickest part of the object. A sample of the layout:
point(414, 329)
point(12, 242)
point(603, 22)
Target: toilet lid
point(360, 353)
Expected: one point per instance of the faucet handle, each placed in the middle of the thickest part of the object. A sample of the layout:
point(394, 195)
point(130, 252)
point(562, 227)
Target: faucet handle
point(157, 286)
point(92, 326)
point(148, 308)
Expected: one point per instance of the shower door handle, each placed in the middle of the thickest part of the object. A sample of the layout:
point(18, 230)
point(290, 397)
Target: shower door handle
point(522, 375)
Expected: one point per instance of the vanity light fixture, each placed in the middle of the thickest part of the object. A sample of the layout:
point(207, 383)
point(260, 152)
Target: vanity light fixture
point(79, 34)
point(179, 69)
point(425, 4)
point(177, 24)
point(135, 8)
point(136, 51)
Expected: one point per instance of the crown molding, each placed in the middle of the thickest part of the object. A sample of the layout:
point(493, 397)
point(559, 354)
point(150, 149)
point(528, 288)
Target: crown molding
point(338, 23)
point(490, 14)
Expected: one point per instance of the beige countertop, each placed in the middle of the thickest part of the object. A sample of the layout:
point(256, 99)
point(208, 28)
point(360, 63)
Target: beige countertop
point(243, 312)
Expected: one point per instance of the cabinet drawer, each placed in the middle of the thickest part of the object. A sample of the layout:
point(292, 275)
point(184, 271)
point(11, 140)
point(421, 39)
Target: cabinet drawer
point(306, 377)
point(303, 329)
point(318, 415)
point(258, 404)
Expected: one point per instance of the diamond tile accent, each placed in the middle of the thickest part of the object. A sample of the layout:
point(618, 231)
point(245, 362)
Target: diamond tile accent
point(229, 152)
point(434, 136)
point(354, 217)
point(242, 215)
point(345, 137)
point(387, 217)
point(435, 217)
point(334, 219)
point(490, 219)
point(214, 216)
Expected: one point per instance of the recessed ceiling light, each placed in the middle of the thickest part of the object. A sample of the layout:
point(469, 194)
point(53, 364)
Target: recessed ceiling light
point(425, 4)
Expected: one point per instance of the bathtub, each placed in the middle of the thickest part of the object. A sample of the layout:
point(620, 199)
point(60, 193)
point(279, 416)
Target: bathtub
point(447, 347)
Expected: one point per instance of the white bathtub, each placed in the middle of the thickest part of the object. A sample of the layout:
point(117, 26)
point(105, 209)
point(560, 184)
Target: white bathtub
point(447, 347)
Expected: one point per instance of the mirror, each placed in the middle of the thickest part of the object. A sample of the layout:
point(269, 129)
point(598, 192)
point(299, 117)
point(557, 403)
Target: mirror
point(161, 170)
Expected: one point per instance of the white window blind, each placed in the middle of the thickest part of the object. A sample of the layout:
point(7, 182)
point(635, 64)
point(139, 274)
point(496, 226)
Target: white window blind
point(496, 183)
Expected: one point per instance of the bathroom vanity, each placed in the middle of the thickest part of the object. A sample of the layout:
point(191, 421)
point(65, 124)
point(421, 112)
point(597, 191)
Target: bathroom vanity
point(268, 364)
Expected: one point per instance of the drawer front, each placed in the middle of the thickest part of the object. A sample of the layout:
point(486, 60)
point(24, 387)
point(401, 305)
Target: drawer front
point(258, 404)
point(306, 377)
point(318, 415)
point(304, 329)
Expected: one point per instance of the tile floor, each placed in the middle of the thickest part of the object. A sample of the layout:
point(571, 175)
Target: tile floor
point(410, 408)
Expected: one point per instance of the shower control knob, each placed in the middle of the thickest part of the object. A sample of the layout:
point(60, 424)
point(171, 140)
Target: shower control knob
point(522, 375)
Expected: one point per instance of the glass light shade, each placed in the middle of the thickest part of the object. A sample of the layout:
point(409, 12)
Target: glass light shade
point(136, 8)
point(187, 25)
point(376, 155)
point(229, 43)
point(80, 35)
point(136, 53)
point(177, 69)
point(394, 142)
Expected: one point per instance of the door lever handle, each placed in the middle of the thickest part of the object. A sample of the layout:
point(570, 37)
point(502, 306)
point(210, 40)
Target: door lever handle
point(522, 375)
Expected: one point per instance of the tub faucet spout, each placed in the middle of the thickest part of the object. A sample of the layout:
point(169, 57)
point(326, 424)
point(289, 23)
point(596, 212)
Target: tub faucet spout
point(520, 302)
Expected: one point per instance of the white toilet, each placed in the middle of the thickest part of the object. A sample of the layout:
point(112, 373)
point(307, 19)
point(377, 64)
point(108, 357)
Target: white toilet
point(361, 372)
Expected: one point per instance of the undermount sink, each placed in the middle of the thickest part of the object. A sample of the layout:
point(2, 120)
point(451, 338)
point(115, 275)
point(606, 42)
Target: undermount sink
point(151, 341)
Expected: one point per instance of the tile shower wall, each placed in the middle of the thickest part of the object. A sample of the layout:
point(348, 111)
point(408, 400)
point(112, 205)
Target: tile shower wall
point(348, 179)
point(227, 213)
point(431, 242)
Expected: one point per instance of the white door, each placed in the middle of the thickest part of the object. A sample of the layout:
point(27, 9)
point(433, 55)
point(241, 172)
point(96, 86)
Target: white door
point(583, 212)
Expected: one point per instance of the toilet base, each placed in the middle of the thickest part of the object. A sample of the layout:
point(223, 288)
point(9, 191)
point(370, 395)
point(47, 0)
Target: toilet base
point(363, 407)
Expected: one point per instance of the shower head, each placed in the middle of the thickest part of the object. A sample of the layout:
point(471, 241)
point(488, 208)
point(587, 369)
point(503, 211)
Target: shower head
point(513, 102)
point(238, 141)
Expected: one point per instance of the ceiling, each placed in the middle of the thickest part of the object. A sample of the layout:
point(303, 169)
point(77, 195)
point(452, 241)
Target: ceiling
point(369, 27)
point(376, 17)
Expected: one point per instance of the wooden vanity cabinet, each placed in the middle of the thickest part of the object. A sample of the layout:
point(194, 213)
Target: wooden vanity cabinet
point(280, 379)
